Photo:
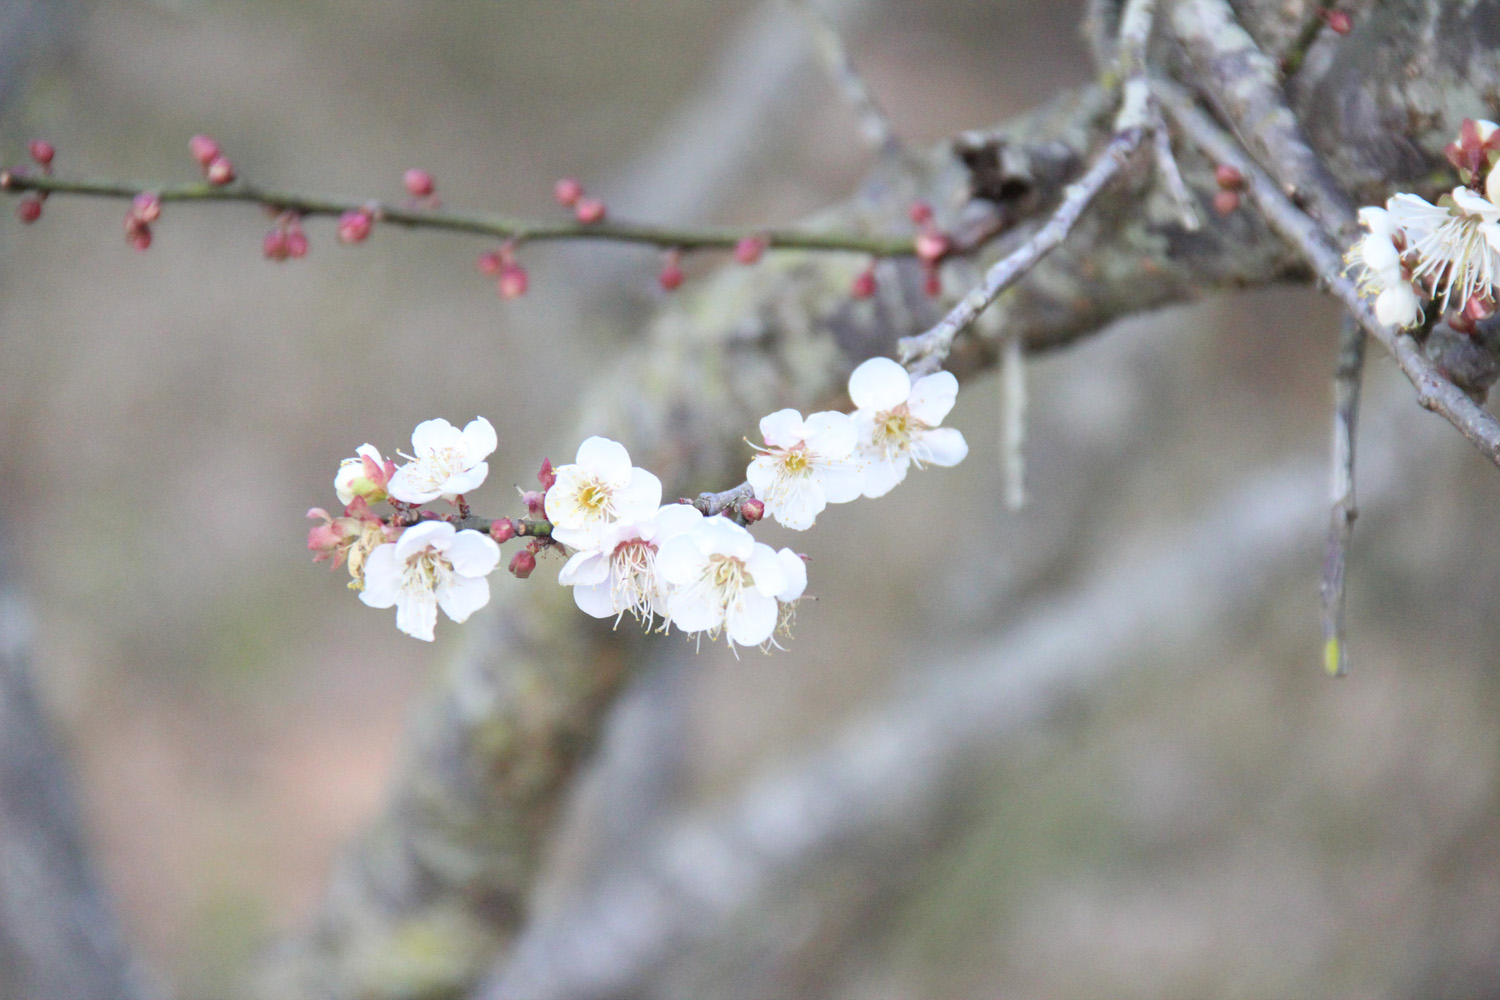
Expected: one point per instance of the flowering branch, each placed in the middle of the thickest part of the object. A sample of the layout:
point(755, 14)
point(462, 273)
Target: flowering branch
point(516, 230)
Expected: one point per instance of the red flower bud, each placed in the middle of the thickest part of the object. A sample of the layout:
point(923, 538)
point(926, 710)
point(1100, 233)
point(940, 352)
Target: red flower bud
point(1229, 178)
point(502, 530)
point(919, 212)
point(1338, 20)
point(931, 246)
point(139, 238)
point(567, 191)
point(354, 227)
point(29, 208)
point(274, 245)
point(752, 510)
point(513, 281)
point(42, 151)
point(522, 563)
point(490, 262)
point(1226, 202)
point(204, 150)
point(296, 242)
point(589, 210)
point(864, 283)
point(146, 206)
point(219, 170)
point(749, 249)
point(932, 282)
point(670, 278)
point(419, 183)
point(536, 503)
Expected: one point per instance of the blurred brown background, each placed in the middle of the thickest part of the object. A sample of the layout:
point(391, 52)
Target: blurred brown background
point(1228, 823)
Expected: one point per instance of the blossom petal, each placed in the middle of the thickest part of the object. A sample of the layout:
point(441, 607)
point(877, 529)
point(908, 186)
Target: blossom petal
point(422, 535)
point(584, 569)
point(795, 571)
point(639, 497)
point(692, 613)
point(761, 474)
point(721, 536)
point(797, 504)
point(382, 577)
point(463, 596)
point(932, 397)
point(674, 519)
point(473, 554)
point(830, 435)
point(752, 620)
point(941, 446)
point(606, 459)
point(416, 613)
point(480, 438)
point(882, 475)
point(766, 570)
point(596, 599)
point(783, 429)
point(842, 482)
point(435, 435)
point(468, 480)
point(879, 384)
point(679, 558)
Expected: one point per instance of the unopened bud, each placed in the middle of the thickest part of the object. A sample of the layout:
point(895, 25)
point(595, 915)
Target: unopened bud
point(567, 191)
point(1229, 178)
point(41, 151)
point(589, 210)
point(137, 233)
point(749, 249)
point(419, 183)
point(1226, 202)
point(513, 281)
point(522, 563)
point(354, 227)
point(490, 262)
point(752, 510)
point(502, 530)
point(1339, 21)
point(1479, 307)
point(219, 170)
point(670, 278)
point(204, 150)
point(932, 282)
point(146, 206)
point(919, 212)
point(864, 283)
point(29, 208)
point(546, 477)
point(296, 243)
point(931, 245)
point(536, 502)
point(274, 245)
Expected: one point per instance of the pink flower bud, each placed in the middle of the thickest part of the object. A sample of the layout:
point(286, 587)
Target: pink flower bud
point(567, 191)
point(419, 183)
point(219, 170)
point(920, 212)
point(42, 151)
point(296, 242)
point(274, 245)
point(1479, 307)
point(513, 281)
point(522, 563)
point(670, 278)
point(589, 210)
point(29, 208)
point(1339, 21)
point(354, 227)
point(137, 233)
point(502, 530)
point(491, 261)
point(204, 150)
point(146, 206)
point(546, 477)
point(1229, 178)
point(752, 510)
point(536, 503)
point(1226, 202)
point(749, 249)
point(931, 245)
point(932, 282)
point(864, 283)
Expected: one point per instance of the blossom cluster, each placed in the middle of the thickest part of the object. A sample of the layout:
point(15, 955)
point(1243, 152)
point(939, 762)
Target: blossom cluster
point(627, 552)
point(1414, 252)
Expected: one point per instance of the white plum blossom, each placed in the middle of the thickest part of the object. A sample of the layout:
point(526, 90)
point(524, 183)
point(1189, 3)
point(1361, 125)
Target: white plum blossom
point(1456, 245)
point(724, 580)
point(619, 576)
point(430, 566)
point(354, 476)
point(599, 489)
point(898, 422)
point(805, 465)
point(447, 462)
point(1381, 272)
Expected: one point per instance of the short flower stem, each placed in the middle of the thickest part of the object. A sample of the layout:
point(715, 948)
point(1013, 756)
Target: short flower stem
point(477, 223)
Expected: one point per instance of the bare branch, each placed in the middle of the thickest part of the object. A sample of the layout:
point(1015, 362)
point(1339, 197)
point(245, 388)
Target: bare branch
point(1346, 381)
point(874, 127)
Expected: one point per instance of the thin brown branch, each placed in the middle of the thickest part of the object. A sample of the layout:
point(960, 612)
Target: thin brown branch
point(1434, 391)
point(1347, 374)
point(874, 126)
point(478, 223)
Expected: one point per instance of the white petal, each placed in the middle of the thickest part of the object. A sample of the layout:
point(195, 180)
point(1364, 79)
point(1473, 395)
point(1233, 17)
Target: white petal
point(1474, 204)
point(831, 435)
point(932, 397)
point(416, 613)
point(679, 559)
point(674, 519)
point(782, 429)
point(761, 474)
point(1377, 221)
point(1379, 255)
point(595, 599)
point(879, 384)
point(842, 482)
point(468, 480)
point(410, 484)
point(606, 459)
point(941, 446)
point(882, 475)
point(751, 621)
point(798, 504)
point(721, 536)
point(1398, 306)
point(434, 435)
point(584, 569)
point(585, 538)
point(464, 596)
point(639, 498)
point(382, 577)
point(480, 438)
point(473, 553)
point(765, 568)
point(423, 534)
point(795, 570)
point(691, 613)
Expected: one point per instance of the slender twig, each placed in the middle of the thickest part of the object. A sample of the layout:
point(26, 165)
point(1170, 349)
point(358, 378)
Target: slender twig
point(1013, 420)
point(1312, 27)
point(478, 223)
point(1434, 391)
point(874, 126)
point(716, 503)
point(1346, 381)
